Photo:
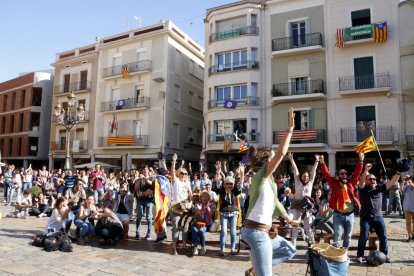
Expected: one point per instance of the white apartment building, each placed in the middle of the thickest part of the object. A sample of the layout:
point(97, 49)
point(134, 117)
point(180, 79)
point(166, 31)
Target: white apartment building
point(235, 61)
point(149, 96)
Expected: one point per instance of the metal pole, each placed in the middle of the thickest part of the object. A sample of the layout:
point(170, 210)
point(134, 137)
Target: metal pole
point(67, 159)
point(382, 162)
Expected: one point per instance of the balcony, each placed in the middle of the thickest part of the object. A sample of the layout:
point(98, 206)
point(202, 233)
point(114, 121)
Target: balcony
point(370, 84)
point(410, 142)
point(300, 90)
point(252, 137)
point(303, 138)
point(231, 67)
point(134, 67)
point(126, 140)
point(76, 87)
point(248, 30)
point(297, 44)
point(248, 101)
point(85, 120)
point(59, 146)
point(125, 104)
point(360, 34)
point(383, 135)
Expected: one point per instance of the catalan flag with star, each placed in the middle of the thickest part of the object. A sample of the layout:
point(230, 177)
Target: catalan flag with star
point(366, 146)
point(380, 32)
point(244, 146)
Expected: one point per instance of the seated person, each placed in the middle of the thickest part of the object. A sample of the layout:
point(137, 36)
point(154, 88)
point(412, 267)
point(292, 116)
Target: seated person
point(87, 212)
point(123, 209)
point(23, 203)
point(74, 196)
point(202, 222)
point(58, 217)
point(109, 226)
point(324, 213)
point(41, 208)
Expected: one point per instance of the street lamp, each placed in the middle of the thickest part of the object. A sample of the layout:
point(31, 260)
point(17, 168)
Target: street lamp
point(69, 118)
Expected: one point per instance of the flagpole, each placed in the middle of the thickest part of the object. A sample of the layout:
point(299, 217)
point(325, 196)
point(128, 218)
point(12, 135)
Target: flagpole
point(375, 141)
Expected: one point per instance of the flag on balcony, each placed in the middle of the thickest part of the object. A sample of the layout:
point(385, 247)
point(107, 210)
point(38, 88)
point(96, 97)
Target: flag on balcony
point(366, 146)
point(124, 71)
point(340, 38)
point(380, 32)
point(230, 104)
point(227, 143)
point(121, 140)
point(114, 125)
point(244, 146)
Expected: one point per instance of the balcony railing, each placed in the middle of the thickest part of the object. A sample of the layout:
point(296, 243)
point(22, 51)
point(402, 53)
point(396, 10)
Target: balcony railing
point(59, 146)
point(251, 137)
point(410, 142)
point(127, 140)
point(300, 41)
point(85, 120)
point(125, 104)
point(302, 136)
point(379, 80)
point(354, 135)
point(252, 101)
point(73, 86)
point(132, 67)
point(248, 30)
point(298, 88)
point(233, 67)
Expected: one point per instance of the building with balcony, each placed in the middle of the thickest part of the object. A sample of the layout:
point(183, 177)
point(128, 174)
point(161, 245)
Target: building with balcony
point(149, 96)
point(25, 109)
point(76, 72)
point(234, 98)
point(364, 90)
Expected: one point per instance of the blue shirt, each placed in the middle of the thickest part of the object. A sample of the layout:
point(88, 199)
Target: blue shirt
point(70, 180)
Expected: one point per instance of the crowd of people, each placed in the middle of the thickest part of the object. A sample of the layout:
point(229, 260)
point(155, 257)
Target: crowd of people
point(251, 196)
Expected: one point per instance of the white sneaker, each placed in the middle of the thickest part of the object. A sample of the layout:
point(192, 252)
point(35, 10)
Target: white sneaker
point(41, 215)
point(195, 252)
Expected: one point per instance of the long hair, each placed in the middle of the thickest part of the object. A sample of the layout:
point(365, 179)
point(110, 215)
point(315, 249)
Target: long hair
point(258, 156)
point(59, 201)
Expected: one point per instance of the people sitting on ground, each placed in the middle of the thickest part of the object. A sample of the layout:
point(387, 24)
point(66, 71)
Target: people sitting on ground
point(41, 208)
point(324, 213)
point(123, 205)
point(109, 227)
point(202, 220)
point(23, 204)
point(59, 215)
point(74, 196)
point(85, 219)
point(286, 199)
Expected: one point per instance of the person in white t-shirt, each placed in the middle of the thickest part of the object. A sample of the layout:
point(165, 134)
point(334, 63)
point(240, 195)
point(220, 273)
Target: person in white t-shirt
point(23, 204)
point(180, 191)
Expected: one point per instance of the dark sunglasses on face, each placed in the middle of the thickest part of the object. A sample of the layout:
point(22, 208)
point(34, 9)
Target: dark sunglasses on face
point(372, 179)
point(343, 173)
point(229, 183)
point(181, 173)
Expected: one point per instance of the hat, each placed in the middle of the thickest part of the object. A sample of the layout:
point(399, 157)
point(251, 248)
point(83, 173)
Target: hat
point(229, 179)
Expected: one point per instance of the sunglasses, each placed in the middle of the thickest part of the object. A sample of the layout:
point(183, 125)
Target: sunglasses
point(181, 173)
point(229, 183)
point(371, 179)
point(343, 173)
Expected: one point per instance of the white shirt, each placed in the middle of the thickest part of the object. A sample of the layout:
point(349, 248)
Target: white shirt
point(262, 211)
point(302, 190)
point(55, 221)
point(179, 191)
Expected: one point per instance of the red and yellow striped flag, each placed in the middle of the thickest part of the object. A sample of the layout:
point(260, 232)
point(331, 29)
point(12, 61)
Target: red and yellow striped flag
point(124, 71)
point(380, 32)
point(366, 146)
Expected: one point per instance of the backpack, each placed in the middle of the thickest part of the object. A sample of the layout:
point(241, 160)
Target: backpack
point(57, 241)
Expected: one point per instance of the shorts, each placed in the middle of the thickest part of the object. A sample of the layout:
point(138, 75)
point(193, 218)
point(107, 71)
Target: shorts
point(123, 217)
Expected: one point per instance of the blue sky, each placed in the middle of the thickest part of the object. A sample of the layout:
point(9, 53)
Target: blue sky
point(33, 31)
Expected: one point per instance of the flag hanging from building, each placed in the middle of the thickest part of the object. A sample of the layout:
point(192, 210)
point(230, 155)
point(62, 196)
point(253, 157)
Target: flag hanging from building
point(227, 143)
point(380, 32)
point(244, 146)
point(230, 104)
point(340, 38)
point(124, 71)
point(366, 146)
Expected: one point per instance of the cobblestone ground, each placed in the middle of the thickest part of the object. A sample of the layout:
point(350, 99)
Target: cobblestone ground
point(141, 257)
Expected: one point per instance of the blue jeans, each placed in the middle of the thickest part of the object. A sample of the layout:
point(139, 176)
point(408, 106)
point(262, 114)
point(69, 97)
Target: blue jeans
point(86, 229)
point(148, 205)
point(27, 185)
point(97, 194)
point(72, 214)
point(6, 190)
point(342, 228)
point(223, 233)
point(13, 190)
point(175, 221)
point(379, 226)
point(265, 252)
point(198, 233)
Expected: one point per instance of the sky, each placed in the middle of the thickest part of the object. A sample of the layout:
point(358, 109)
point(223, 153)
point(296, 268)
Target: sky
point(33, 31)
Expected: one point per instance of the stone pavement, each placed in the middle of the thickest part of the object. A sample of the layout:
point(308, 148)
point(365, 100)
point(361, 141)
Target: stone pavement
point(133, 257)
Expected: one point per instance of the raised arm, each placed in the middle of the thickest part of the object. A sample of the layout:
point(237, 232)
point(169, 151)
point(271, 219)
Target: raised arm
point(190, 170)
point(164, 164)
point(313, 171)
point(393, 180)
point(325, 170)
point(295, 170)
point(358, 168)
point(362, 178)
point(174, 161)
point(225, 167)
point(283, 147)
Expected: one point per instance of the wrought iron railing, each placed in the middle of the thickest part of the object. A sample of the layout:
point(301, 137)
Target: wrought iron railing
point(364, 82)
point(382, 134)
point(132, 67)
point(251, 137)
point(299, 41)
point(248, 30)
point(233, 67)
point(111, 141)
point(59, 146)
point(298, 88)
point(252, 101)
point(125, 104)
point(302, 136)
point(73, 86)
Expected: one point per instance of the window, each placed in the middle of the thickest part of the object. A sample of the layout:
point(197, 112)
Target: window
point(37, 96)
point(19, 146)
point(66, 83)
point(221, 129)
point(178, 61)
point(303, 120)
point(21, 122)
point(3, 125)
point(116, 60)
point(22, 98)
point(138, 94)
point(253, 20)
point(298, 33)
point(190, 135)
point(253, 130)
point(364, 72)
point(5, 103)
point(138, 125)
point(83, 80)
point(13, 103)
point(365, 121)
point(177, 96)
point(225, 61)
point(240, 92)
point(11, 123)
point(361, 17)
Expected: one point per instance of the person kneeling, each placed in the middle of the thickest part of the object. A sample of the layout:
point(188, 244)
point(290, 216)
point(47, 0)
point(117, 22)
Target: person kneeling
point(109, 226)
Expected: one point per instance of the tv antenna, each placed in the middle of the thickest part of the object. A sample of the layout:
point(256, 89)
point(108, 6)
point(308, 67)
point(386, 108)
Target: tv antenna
point(138, 19)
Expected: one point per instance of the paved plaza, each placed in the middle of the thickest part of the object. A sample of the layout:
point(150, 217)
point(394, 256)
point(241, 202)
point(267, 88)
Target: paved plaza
point(141, 257)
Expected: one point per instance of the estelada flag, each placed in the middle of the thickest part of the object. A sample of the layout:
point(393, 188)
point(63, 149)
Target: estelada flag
point(244, 146)
point(380, 31)
point(161, 198)
point(366, 146)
